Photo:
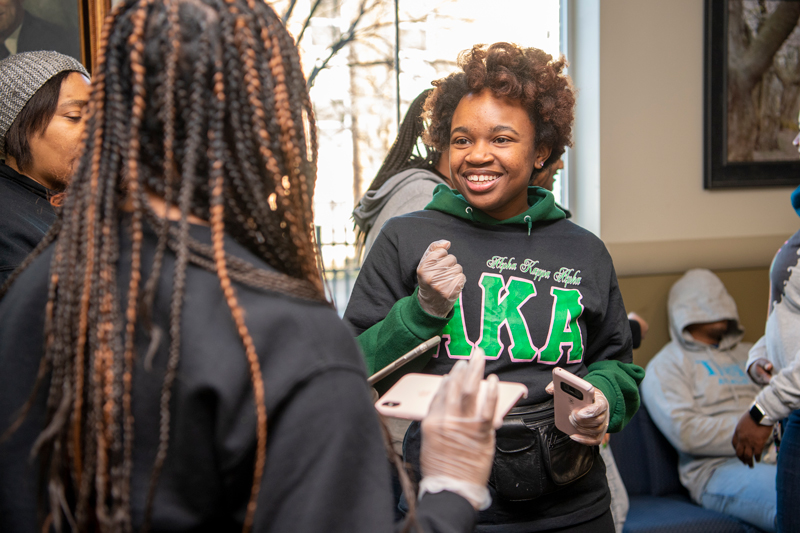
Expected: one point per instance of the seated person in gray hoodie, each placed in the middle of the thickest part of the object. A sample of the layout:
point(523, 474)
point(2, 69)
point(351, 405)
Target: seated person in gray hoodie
point(696, 389)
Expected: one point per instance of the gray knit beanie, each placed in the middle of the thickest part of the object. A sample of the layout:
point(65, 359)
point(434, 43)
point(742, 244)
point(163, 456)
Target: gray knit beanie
point(21, 75)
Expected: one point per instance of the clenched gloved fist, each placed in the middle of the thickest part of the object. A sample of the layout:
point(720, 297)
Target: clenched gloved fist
point(591, 422)
point(440, 279)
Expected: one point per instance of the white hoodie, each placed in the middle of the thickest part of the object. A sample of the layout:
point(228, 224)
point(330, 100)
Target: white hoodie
point(696, 392)
point(781, 341)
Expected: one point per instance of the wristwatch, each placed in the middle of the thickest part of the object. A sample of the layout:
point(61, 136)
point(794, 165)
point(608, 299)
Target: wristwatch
point(759, 416)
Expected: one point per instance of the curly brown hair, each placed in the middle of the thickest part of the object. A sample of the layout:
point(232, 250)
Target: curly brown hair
point(529, 75)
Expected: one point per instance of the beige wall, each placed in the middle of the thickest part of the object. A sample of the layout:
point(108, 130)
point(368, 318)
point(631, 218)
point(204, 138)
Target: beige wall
point(647, 295)
point(638, 68)
point(655, 216)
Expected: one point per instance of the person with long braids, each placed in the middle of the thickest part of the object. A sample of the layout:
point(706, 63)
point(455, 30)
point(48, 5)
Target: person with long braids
point(167, 352)
point(405, 181)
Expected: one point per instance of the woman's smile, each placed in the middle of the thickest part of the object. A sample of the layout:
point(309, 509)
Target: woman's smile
point(492, 153)
point(480, 181)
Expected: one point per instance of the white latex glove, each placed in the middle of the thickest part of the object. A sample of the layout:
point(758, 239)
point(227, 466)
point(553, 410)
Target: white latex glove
point(591, 422)
point(440, 279)
point(458, 434)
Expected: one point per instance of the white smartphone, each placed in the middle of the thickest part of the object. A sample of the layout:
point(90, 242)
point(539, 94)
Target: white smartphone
point(569, 392)
point(411, 397)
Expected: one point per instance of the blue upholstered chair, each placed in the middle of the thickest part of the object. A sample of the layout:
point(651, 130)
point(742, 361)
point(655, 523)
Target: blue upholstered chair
point(648, 464)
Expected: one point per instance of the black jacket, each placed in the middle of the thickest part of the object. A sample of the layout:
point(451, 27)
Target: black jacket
point(326, 468)
point(25, 216)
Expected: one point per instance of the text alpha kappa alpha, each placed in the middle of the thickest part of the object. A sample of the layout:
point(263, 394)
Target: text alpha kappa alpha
point(502, 303)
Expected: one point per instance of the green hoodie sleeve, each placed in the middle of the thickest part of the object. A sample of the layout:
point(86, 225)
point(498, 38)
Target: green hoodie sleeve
point(619, 382)
point(405, 327)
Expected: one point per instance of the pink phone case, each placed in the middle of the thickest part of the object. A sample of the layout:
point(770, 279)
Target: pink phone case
point(411, 397)
point(570, 392)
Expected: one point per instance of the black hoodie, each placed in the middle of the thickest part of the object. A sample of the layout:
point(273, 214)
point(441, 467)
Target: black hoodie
point(541, 292)
point(25, 216)
point(326, 468)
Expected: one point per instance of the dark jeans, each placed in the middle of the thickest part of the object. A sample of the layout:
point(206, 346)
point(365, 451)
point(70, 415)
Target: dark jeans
point(788, 481)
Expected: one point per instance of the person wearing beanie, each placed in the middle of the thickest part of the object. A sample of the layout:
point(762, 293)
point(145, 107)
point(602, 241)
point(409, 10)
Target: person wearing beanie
point(42, 102)
point(774, 363)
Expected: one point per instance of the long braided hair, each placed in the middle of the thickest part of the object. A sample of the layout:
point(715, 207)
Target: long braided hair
point(407, 151)
point(201, 103)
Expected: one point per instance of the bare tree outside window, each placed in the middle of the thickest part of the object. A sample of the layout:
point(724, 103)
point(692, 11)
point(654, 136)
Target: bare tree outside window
point(348, 53)
point(763, 79)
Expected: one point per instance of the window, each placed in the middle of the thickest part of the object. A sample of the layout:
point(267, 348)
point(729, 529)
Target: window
point(356, 97)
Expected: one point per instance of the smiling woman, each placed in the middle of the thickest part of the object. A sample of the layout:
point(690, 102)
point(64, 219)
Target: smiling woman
point(193, 376)
point(499, 84)
point(494, 268)
point(42, 97)
point(492, 157)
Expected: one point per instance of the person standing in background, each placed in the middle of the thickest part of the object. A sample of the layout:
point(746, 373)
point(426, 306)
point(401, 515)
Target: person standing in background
point(774, 364)
point(405, 181)
point(42, 105)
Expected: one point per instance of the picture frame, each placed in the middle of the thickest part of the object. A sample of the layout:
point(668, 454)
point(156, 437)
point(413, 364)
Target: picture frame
point(727, 163)
point(70, 27)
point(92, 15)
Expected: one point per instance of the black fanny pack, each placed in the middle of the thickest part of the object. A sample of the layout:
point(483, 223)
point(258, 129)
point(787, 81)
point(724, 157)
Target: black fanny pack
point(533, 457)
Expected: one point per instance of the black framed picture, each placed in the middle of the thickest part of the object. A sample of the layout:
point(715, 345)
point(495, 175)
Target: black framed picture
point(71, 27)
point(29, 25)
point(751, 93)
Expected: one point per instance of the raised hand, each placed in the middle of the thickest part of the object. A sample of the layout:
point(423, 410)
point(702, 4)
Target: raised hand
point(440, 279)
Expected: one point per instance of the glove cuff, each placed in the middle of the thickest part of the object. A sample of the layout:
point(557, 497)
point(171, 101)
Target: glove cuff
point(477, 495)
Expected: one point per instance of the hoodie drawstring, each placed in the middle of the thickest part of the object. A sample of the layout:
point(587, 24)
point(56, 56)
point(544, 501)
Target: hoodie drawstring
point(527, 218)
